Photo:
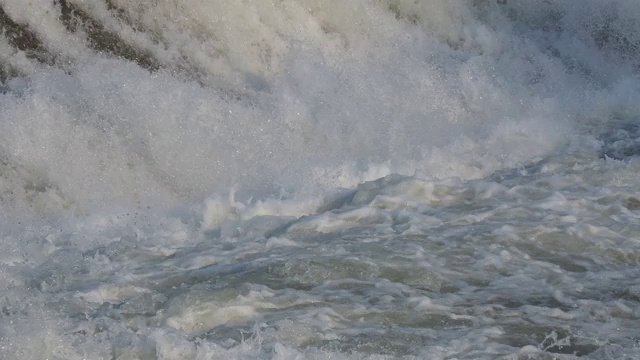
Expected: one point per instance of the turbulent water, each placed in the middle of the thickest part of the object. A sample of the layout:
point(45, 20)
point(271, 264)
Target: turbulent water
point(319, 179)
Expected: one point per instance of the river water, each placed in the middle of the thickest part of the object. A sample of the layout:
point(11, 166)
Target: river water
point(319, 179)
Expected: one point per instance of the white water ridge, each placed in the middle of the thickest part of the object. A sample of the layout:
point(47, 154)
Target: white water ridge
point(317, 179)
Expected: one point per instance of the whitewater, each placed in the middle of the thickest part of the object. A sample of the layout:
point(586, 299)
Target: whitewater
point(319, 179)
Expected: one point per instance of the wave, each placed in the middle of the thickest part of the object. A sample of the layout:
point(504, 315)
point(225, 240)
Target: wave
point(168, 101)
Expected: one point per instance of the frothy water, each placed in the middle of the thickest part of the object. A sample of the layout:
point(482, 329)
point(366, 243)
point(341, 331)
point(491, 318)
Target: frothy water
point(319, 179)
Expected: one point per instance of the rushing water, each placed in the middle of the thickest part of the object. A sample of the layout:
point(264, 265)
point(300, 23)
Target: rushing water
point(319, 179)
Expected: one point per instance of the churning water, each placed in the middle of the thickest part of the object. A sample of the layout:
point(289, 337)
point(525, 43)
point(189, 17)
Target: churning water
point(319, 179)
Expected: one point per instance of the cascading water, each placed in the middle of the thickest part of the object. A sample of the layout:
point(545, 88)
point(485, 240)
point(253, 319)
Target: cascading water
point(319, 179)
